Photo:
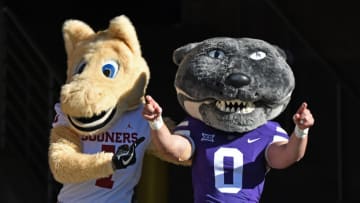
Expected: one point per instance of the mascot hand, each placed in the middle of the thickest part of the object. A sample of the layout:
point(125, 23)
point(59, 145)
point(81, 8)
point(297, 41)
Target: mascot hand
point(125, 155)
point(303, 120)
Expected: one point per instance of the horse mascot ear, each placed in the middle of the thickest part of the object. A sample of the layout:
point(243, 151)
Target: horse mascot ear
point(99, 138)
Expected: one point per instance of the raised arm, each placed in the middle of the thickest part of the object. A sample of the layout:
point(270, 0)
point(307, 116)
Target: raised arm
point(283, 154)
point(174, 148)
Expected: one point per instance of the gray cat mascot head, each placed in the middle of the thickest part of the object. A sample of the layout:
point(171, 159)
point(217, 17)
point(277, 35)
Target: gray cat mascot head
point(233, 84)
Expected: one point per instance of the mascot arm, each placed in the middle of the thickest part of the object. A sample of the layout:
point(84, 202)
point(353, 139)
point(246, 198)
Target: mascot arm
point(176, 151)
point(69, 165)
point(283, 154)
point(170, 147)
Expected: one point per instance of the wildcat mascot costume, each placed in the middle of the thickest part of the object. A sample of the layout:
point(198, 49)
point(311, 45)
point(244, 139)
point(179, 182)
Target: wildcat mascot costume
point(231, 89)
point(99, 138)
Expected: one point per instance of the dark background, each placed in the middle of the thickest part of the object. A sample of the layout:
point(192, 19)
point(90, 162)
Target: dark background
point(321, 39)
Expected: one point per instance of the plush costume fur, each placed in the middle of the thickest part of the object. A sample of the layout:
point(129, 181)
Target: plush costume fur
point(106, 77)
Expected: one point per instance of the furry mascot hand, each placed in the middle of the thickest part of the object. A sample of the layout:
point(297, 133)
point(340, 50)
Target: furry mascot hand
point(125, 155)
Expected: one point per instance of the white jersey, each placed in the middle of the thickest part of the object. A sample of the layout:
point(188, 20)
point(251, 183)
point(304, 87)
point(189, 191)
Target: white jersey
point(119, 187)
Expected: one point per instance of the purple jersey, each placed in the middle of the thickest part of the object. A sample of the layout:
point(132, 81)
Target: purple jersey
point(228, 166)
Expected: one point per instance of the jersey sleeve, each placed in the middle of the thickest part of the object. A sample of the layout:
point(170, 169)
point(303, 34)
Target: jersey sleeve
point(280, 134)
point(183, 129)
point(60, 118)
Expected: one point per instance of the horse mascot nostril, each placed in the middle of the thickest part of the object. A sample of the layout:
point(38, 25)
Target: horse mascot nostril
point(99, 138)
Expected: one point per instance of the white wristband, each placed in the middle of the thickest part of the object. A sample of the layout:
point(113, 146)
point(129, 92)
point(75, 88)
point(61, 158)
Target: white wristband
point(156, 123)
point(301, 133)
